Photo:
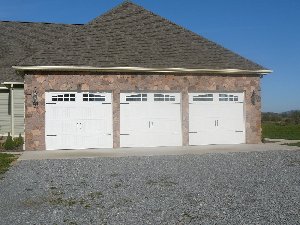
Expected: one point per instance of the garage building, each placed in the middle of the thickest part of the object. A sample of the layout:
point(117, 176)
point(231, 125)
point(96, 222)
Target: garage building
point(131, 78)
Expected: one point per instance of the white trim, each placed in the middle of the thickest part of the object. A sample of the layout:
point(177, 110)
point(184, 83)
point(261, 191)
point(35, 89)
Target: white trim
point(12, 110)
point(9, 83)
point(139, 69)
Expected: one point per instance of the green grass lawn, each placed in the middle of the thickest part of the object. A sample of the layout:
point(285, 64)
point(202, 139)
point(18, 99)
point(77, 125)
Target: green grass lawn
point(276, 131)
point(5, 161)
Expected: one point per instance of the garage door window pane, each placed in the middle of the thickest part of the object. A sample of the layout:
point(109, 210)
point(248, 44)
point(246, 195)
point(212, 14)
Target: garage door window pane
point(223, 99)
point(164, 98)
point(93, 98)
point(203, 98)
point(136, 98)
point(64, 97)
point(228, 97)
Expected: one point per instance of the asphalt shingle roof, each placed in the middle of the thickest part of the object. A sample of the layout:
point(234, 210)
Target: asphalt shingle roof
point(20, 40)
point(126, 36)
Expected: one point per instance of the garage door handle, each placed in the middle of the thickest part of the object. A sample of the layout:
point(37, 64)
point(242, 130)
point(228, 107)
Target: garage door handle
point(239, 131)
point(124, 134)
point(216, 123)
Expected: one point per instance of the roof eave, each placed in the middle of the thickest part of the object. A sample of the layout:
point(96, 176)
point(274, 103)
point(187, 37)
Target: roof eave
point(140, 69)
point(11, 83)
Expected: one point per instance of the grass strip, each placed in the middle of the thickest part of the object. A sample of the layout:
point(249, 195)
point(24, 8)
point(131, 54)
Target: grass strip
point(5, 161)
point(277, 131)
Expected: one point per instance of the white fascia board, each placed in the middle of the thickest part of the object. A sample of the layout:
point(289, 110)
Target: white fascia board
point(139, 69)
point(9, 83)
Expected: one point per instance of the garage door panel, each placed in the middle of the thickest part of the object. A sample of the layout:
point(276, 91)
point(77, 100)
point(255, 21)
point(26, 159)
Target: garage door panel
point(95, 140)
point(94, 126)
point(151, 140)
point(233, 117)
point(78, 120)
point(132, 124)
point(130, 140)
point(67, 127)
point(162, 125)
point(51, 130)
point(68, 141)
point(216, 118)
point(230, 124)
point(202, 123)
point(204, 110)
point(150, 119)
point(202, 137)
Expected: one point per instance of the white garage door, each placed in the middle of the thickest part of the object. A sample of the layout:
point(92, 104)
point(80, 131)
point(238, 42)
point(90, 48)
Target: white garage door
point(216, 118)
point(78, 120)
point(150, 119)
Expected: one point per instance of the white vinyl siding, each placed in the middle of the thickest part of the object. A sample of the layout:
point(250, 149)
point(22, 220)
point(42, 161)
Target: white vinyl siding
point(5, 117)
point(5, 111)
point(19, 110)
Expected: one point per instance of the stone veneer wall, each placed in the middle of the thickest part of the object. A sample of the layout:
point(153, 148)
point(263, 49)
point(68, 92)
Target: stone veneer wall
point(59, 81)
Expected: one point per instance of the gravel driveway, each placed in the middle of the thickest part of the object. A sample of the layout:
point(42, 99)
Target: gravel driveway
point(232, 188)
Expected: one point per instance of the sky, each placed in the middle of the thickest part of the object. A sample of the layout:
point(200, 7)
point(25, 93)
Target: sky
point(264, 31)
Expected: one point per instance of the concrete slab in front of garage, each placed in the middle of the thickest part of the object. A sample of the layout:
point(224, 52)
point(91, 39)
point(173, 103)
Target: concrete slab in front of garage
point(157, 151)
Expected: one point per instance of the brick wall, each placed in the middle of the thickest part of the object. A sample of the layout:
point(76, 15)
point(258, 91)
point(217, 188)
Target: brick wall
point(35, 117)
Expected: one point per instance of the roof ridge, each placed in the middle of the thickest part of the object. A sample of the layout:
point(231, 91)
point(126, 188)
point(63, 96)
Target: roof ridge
point(124, 3)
